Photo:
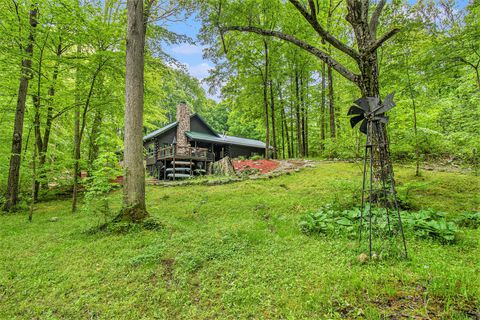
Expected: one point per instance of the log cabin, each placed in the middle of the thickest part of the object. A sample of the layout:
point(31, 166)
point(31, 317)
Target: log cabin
point(188, 146)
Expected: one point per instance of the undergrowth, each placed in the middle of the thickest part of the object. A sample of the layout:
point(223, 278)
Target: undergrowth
point(427, 223)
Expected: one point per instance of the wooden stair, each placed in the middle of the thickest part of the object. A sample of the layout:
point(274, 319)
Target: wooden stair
point(181, 169)
point(178, 169)
point(179, 175)
point(181, 163)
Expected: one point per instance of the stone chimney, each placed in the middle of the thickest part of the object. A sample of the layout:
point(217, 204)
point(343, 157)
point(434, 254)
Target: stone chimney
point(183, 124)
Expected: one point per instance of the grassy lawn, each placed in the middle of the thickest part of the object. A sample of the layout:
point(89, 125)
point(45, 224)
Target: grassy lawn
point(234, 252)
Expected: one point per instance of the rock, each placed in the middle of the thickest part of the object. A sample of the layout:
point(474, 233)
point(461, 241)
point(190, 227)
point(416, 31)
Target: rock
point(362, 258)
point(53, 219)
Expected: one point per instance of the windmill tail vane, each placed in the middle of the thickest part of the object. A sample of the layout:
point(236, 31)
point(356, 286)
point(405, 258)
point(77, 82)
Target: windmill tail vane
point(379, 207)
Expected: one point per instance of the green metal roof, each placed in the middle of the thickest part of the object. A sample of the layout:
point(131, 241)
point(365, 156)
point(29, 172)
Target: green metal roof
point(160, 131)
point(204, 137)
point(173, 125)
point(245, 142)
point(223, 139)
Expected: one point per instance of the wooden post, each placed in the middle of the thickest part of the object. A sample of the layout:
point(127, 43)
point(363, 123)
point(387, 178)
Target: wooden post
point(165, 169)
point(174, 153)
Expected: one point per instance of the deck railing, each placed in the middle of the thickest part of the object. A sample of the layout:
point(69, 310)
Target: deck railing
point(185, 152)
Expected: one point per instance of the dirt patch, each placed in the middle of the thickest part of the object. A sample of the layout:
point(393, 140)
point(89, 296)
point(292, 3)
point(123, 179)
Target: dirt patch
point(168, 270)
point(418, 304)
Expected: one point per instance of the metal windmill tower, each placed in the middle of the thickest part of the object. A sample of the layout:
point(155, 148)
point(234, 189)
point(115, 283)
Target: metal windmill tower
point(379, 199)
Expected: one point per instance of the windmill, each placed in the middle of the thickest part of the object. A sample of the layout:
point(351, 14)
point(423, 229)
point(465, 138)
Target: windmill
point(379, 198)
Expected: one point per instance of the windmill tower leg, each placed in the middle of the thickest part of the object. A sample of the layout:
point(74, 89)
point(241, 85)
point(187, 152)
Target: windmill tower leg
point(362, 208)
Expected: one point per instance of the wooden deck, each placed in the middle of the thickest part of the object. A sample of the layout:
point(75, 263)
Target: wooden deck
point(181, 153)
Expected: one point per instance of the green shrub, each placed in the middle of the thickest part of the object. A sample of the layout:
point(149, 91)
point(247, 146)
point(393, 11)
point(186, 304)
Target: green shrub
point(432, 224)
point(316, 222)
point(99, 185)
point(469, 220)
point(329, 220)
point(256, 157)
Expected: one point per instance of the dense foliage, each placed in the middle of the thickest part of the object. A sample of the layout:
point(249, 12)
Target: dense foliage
point(432, 65)
point(270, 89)
point(428, 223)
point(77, 80)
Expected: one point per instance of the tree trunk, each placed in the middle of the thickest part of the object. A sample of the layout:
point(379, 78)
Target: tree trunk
point(292, 135)
point(331, 104)
point(415, 132)
point(364, 35)
point(306, 131)
point(287, 134)
point(34, 180)
point(93, 145)
point(42, 157)
point(272, 106)
point(297, 109)
point(76, 138)
point(477, 73)
point(134, 208)
point(282, 115)
point(302, 115)
point(16, 151)
point(282, 119)
point(265, 102)
point(36, 97)
point(323, 107)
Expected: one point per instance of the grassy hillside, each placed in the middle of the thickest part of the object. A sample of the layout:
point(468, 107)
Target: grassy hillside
point(235, 251)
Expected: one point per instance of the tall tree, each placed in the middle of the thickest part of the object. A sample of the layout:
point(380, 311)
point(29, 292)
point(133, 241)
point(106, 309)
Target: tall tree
point(323, 107)
point(265, 74)
point(15, 157)
point(134, 208)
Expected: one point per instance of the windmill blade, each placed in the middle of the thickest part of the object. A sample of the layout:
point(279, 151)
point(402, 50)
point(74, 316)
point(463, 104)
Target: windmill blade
point(382, 119)
point(385, 108)
point(362, 103)
point(373, 103)
point(387, 104)
point(356, 119)
point(363, 126)
point(354, 110)
point(389, 99)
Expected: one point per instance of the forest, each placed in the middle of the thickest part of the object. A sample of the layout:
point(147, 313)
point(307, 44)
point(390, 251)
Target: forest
point(83, 81)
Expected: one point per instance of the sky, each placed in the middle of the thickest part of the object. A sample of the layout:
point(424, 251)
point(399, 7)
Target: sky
point(191, 54)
